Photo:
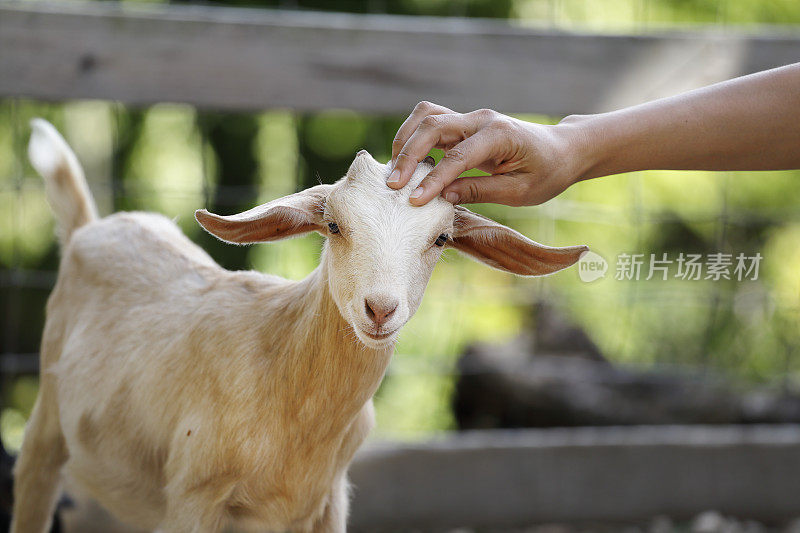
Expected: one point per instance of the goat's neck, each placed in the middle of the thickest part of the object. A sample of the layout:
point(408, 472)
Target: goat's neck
point(332, 373)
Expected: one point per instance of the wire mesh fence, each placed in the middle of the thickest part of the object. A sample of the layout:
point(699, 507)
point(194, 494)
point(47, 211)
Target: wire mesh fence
point(175, 158)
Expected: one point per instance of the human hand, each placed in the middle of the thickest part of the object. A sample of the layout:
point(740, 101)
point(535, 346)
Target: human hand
point(528, 163)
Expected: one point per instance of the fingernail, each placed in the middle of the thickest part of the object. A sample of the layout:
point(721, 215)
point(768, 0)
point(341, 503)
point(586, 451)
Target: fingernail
point(394, 177)
point(451, 197)
point(416, 193)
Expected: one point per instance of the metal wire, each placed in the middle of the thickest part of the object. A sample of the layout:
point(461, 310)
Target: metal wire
point(15, 279)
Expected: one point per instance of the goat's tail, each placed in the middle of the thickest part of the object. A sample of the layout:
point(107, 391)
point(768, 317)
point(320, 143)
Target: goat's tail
point(65, 185)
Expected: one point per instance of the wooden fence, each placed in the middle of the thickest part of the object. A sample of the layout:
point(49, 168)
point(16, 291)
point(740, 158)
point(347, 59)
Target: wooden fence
point(513, 479)
point(239, 59)
point(255, 59)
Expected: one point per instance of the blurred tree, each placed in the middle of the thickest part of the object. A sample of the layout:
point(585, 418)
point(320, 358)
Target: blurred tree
point(328, 141)
point(231, 136)
point(748, 328)
point(128, 130)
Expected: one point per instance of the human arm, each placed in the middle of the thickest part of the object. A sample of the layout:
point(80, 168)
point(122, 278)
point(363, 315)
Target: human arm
point(748, 123)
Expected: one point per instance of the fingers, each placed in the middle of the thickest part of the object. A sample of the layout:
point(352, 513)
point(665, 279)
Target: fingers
point(470, 153)
point(498, 189)
point(440, 128)
point(435, 131)
point(421, 110)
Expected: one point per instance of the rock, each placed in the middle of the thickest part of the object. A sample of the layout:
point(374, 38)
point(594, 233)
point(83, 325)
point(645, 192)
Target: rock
point(555, 334)
point(751, 526)
point(709, 522)
point(498, 388)
point(512, 386)
point(793, 526)
point(661, 524)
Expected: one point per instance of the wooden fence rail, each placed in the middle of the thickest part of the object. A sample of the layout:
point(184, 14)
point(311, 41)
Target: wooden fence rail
point(518, 478)
point(255, 59)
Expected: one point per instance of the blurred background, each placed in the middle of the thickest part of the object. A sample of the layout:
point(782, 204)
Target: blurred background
point(486, 349)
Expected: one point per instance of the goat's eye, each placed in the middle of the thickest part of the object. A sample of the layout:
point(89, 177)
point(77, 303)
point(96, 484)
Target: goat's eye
point(441, 239)
point(333, 227)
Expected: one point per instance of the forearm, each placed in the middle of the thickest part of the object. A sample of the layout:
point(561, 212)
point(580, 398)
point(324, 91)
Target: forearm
point(748, 123)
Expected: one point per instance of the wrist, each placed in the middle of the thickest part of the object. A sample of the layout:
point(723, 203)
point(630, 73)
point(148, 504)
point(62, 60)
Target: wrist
point(578, 149)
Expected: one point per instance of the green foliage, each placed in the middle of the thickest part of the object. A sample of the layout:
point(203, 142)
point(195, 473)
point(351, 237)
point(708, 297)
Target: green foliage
point(337, 134)
point(19, 404)
point(443, 8)
point(635, 15)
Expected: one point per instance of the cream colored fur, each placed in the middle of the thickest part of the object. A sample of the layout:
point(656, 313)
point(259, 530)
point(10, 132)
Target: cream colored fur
point(184, 397)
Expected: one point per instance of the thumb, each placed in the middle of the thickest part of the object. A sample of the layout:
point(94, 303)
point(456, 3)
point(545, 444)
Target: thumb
point(498, 189)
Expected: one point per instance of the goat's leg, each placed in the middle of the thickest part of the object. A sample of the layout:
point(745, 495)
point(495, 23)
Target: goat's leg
point(37, 474)
point(334, 518)
point(191, 519)
point(194, 509)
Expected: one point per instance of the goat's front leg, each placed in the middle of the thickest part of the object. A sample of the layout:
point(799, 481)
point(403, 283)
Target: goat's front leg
point(192, 515)
point(334, 517)
point(195, 504)
point(37, 473)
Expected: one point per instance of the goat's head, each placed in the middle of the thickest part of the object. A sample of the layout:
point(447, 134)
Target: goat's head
point(381, 250)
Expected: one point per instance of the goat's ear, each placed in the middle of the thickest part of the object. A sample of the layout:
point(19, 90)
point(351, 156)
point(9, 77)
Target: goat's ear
point(503, 248)
point(285, 217)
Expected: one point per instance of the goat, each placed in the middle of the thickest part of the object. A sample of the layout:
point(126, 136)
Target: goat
point(184, 397)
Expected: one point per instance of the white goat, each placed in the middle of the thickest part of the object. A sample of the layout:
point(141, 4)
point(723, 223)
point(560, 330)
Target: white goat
point(184, 397)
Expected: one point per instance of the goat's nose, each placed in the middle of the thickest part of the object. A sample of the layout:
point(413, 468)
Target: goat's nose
point(380, 309)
